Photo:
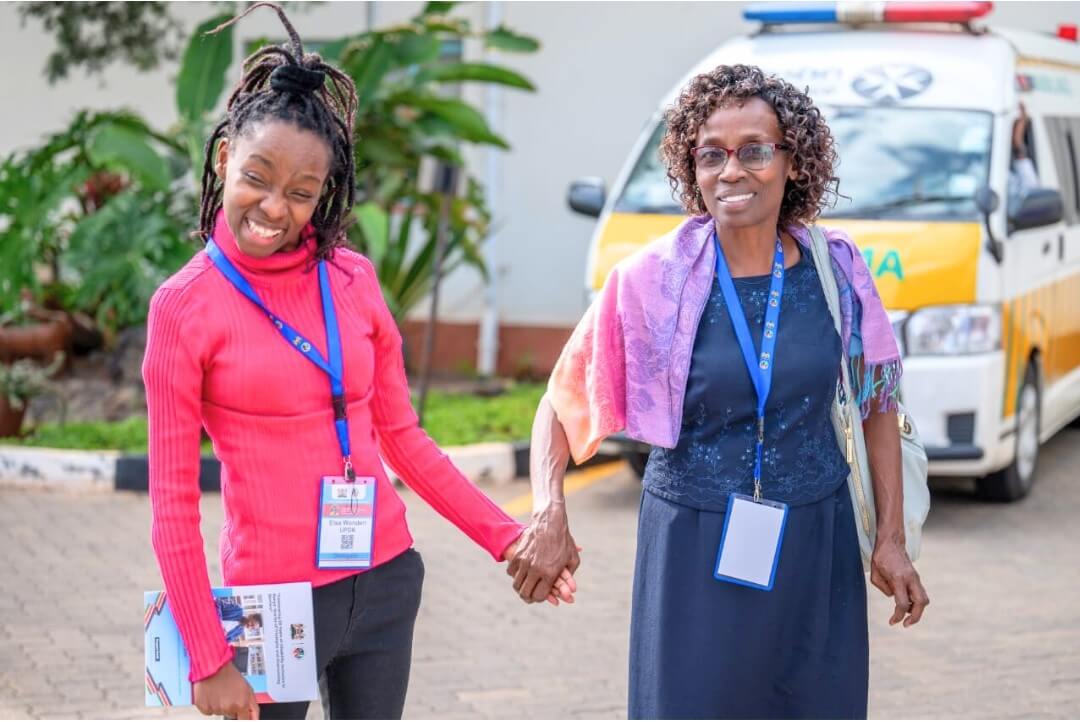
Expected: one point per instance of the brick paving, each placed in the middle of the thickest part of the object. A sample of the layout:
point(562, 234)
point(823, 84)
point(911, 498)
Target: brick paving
point(1001, 638)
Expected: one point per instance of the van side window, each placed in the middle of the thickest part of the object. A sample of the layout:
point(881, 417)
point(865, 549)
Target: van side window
point(1064, 135)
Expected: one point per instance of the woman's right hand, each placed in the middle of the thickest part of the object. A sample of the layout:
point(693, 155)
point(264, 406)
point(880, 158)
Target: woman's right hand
point(226, 693)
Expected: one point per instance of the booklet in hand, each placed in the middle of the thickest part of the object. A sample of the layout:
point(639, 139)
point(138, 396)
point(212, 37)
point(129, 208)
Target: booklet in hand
point(270, 628)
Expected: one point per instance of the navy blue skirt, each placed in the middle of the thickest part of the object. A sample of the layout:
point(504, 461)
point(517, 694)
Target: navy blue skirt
point(705, 649)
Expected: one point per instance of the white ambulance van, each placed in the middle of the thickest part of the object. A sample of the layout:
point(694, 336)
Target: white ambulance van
point(980, 273)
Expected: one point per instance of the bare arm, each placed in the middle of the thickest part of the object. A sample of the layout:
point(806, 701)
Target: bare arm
point(882, 435)
point(891, 569)
point(546, 548)
point(548, 459)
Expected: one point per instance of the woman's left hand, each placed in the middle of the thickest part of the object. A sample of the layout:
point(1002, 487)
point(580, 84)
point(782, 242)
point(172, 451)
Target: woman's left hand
point(892, 572)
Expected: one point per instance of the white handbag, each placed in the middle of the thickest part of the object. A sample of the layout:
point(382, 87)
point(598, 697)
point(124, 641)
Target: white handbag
point(849, 433)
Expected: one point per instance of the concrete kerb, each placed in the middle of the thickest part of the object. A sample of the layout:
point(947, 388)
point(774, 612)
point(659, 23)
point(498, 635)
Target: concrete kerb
point(105, 471)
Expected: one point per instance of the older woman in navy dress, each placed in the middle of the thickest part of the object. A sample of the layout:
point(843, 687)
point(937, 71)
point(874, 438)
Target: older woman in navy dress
point(754, 154)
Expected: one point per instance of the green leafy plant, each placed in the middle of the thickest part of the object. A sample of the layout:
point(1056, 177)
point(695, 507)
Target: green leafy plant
point(46, 191)
point(93, 34)
point(98, 216)
point(24, 379)
point(98, 213)
point(405, 82)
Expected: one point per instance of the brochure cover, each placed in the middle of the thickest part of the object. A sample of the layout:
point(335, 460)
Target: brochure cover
point(270, 628)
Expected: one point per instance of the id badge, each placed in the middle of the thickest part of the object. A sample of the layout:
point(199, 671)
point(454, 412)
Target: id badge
point(750, 545)
point(346, 523)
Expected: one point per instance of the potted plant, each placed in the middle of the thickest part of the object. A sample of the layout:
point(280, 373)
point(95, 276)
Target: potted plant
point(20, 382)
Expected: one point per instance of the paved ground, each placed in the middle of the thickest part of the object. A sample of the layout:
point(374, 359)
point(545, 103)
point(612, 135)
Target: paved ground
point(1000, 640)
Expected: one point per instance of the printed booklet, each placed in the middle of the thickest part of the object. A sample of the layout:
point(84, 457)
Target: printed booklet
point(270, 628)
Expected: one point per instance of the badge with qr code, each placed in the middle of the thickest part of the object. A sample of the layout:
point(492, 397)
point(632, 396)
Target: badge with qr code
point(346, 523)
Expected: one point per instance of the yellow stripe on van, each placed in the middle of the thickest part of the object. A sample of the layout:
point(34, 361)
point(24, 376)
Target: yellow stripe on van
point(623, 234)
point(914, 263)
point(918, 263)
point(1008, 333)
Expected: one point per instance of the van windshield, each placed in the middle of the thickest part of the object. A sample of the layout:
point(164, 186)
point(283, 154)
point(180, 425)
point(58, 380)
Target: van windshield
point(895, 163)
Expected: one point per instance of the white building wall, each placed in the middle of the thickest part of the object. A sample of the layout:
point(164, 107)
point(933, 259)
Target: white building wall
point(600, 72)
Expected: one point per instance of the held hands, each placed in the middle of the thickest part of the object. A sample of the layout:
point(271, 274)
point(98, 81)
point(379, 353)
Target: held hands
point(544, 558)
point(892, 572)
point(226, 693)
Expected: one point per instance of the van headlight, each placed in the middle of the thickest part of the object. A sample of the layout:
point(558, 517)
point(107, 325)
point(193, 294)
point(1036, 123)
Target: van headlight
point(951, 330)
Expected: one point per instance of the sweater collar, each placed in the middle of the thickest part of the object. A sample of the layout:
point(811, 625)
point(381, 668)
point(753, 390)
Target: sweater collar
point(281, 265)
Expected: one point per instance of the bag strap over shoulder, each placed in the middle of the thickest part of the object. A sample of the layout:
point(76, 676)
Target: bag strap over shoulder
point(819, 249)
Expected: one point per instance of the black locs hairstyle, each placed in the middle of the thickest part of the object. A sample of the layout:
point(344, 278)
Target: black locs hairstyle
point(280, 82)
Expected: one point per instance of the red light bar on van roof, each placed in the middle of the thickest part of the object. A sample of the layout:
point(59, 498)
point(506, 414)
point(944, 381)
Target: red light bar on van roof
point(868, 12)
point(916, 12)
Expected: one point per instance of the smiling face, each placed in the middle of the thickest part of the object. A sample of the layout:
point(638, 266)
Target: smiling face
point(737, 197)
point(273, 176)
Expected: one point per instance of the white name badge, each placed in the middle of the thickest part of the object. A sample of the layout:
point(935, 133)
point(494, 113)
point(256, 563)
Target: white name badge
point(750, 545)
point(346, 523)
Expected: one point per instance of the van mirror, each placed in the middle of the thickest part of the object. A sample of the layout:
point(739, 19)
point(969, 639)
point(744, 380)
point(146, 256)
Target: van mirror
point(587, 196)
point(1038, 207)
point(986, 200)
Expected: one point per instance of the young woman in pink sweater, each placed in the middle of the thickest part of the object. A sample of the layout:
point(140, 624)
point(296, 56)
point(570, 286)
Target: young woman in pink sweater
point(277, 340)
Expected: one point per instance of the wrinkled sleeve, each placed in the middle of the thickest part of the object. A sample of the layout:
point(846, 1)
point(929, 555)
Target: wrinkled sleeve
point(173, 373)
point(587, 387)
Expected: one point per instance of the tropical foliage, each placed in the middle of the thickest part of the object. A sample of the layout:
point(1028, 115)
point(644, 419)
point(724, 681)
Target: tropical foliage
point(96, 217)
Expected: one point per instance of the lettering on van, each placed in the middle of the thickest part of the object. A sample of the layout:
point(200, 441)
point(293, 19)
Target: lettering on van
point(889, 84)
point(885, 264)
point(820, 81)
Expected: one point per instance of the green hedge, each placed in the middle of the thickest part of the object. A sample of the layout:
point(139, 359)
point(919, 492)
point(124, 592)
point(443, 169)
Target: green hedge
point(451, 419)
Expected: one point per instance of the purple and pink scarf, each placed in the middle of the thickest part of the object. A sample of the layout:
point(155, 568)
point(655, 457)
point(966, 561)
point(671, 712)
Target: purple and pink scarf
point(626, 364)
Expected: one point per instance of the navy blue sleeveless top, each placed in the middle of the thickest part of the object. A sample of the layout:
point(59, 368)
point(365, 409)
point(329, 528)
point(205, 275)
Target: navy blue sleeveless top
point(802, 461)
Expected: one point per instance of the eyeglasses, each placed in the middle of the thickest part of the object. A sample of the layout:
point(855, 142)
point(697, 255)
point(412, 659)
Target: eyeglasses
point(752, 156)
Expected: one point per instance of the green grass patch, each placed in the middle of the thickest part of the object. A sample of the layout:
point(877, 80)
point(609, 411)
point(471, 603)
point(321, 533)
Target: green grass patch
point(458, 419)
point(128, 436)
point(451, 420)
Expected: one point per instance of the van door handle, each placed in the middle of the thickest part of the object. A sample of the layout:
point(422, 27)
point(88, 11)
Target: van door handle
point(1061, 247)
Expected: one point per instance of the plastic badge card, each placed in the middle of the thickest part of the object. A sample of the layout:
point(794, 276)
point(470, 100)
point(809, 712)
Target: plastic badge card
point(270, 628)
point(346, 523)
point(750, 545)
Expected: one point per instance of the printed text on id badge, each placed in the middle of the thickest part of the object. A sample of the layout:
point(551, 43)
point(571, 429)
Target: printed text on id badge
point(346, 523)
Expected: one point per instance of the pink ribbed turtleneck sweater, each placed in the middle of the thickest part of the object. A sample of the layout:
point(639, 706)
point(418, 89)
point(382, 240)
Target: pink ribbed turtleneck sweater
point(213, 359)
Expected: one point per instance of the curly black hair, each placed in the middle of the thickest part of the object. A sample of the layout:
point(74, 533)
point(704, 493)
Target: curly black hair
point(282, 82)
point(801, 123)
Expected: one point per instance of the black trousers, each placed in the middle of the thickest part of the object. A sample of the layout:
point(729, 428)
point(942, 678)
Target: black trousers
point(363, 642)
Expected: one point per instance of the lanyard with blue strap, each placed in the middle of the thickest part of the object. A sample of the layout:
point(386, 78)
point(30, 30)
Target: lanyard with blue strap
point(332, 368)
point(762, 368)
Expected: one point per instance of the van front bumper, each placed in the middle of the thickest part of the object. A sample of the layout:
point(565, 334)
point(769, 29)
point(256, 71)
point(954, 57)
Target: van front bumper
point(956, 402)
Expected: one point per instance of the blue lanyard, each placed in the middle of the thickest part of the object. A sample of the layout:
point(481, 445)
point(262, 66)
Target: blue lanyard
point(761, 369)
point(333, 369)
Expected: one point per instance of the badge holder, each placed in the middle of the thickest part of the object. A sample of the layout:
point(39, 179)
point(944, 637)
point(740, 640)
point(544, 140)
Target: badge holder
point(346, 522)
point(750, 544)
point(753, 533)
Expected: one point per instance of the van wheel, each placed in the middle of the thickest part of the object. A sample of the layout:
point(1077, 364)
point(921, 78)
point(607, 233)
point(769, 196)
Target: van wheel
point(1015, 481)
point(637, 461)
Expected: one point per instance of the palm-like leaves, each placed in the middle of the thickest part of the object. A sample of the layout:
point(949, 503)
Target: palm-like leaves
point(406, 114)
point(109, 255)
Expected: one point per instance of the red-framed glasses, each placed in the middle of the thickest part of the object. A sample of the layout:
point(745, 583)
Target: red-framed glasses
point(752, 156)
